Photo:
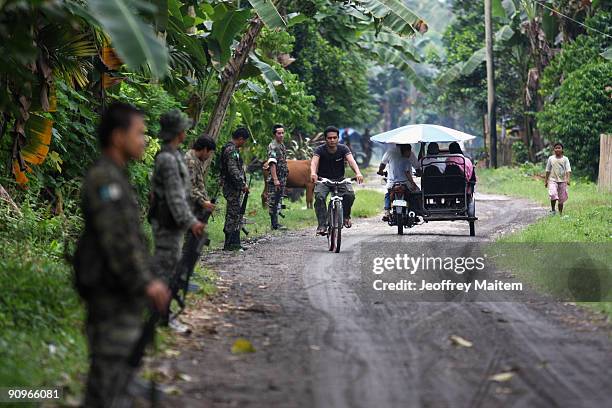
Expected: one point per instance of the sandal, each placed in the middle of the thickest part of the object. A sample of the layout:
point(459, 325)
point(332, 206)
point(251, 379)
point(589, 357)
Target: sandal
point(322, 231)
point(348, 223)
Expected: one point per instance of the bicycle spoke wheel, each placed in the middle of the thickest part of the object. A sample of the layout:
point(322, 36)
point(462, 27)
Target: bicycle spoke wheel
point(331, 231)
point(339, 219)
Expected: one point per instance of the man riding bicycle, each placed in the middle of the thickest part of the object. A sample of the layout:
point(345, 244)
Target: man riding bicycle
point(328, 162)
point(399, 161)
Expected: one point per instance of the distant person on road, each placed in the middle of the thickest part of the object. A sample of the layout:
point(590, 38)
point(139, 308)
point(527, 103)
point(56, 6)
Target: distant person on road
point(328, 162)
point(399, 161)
point(558, 172)
point(111, 263)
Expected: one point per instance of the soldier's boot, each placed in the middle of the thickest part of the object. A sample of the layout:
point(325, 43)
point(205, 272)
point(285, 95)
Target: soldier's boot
point(274, 220)
point(227, 246)
point(237, 246)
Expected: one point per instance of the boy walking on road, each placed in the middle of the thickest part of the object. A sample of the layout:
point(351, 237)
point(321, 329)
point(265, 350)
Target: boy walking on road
point(558, 171)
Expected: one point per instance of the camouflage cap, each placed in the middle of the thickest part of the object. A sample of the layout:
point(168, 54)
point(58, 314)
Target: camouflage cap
point(172, 123)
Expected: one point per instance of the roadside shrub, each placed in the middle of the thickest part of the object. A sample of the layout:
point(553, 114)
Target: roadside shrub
point(40, 313)
point(520, 154)
point(580, 113)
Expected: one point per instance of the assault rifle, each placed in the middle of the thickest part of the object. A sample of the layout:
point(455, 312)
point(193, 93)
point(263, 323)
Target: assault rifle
point(243, 208)
point(147, 337)
point(191, 254)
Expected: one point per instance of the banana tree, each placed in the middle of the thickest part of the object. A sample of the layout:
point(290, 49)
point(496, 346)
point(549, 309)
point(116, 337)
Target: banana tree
point(42, 41)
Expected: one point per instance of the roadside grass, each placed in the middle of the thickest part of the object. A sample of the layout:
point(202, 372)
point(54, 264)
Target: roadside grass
point(587, 218)
point(41, 336)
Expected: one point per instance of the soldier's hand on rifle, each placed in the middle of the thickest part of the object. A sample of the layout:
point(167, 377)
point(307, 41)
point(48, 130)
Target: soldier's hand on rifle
point(208, 206)
point(314, 178)
point(245, 189)
point(277, 184)
point(197, 228)
point(159, 294)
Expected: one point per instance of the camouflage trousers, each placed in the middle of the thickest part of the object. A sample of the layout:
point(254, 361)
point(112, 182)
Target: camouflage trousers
point(167, 251)
point(114, 326)
point(232, 210)
point(274, 196)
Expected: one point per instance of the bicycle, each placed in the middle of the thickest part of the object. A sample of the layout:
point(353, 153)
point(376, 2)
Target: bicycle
point(335, 215)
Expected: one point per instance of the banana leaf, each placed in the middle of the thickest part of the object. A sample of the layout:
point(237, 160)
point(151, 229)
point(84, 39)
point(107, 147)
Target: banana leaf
point(38, 130)
point(227, 24)
point(135, 41)
point(268, 13)
point(401, 43)
point(269, 75)
point(20, 175)
point(389, 55)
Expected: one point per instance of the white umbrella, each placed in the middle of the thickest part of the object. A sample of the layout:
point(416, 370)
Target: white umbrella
point(421, 134)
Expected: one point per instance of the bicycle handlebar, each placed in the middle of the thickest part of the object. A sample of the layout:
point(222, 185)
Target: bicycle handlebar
point(345, 181)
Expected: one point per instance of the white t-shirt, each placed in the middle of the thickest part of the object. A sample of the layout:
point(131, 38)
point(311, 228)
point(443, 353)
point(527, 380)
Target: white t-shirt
point(398, 165)
point(558, 167)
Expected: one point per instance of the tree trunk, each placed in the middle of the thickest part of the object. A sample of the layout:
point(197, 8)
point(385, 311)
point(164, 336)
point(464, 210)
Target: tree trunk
point(541, 54)
point(230, 77)
point(491, 107)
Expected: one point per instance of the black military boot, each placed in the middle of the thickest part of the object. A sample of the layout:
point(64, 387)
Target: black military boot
point(227, 246)
point(274, 220)
point(236, 245)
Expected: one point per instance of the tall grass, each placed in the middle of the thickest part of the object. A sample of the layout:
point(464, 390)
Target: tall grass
point(587, 218)
point(41, 339)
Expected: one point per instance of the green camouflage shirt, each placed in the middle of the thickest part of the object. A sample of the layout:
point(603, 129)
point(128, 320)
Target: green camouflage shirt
point(199, 195)
point(171, 186)
point(277, 154)
point(112, 255)
point(232, 168)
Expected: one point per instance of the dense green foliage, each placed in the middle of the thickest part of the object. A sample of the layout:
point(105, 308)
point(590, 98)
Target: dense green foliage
point(581, 112)
point(587, 48)
point(334, 76)
point(40, 313)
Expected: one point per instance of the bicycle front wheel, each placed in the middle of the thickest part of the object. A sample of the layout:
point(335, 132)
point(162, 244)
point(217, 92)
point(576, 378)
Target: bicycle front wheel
point(331, 231)
point(338, 222)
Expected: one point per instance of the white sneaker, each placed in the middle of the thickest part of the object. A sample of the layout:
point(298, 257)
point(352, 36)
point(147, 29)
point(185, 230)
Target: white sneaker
point(176, 326)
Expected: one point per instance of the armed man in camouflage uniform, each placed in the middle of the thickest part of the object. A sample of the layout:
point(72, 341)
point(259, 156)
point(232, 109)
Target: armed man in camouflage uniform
point(202, 206)
point(277, 160)
point(111, 262)
point(171, 214)
point(234, 183)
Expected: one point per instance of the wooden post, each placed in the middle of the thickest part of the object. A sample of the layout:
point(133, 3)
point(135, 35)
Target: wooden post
point(490, 83)
point(604, 181)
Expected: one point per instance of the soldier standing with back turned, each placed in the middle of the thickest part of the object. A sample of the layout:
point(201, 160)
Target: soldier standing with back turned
point(234, 183)
point(171, 213)
point(111, 262)
point(277, 160)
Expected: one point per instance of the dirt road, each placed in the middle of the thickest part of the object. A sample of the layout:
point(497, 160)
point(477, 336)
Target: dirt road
point(318, 344)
